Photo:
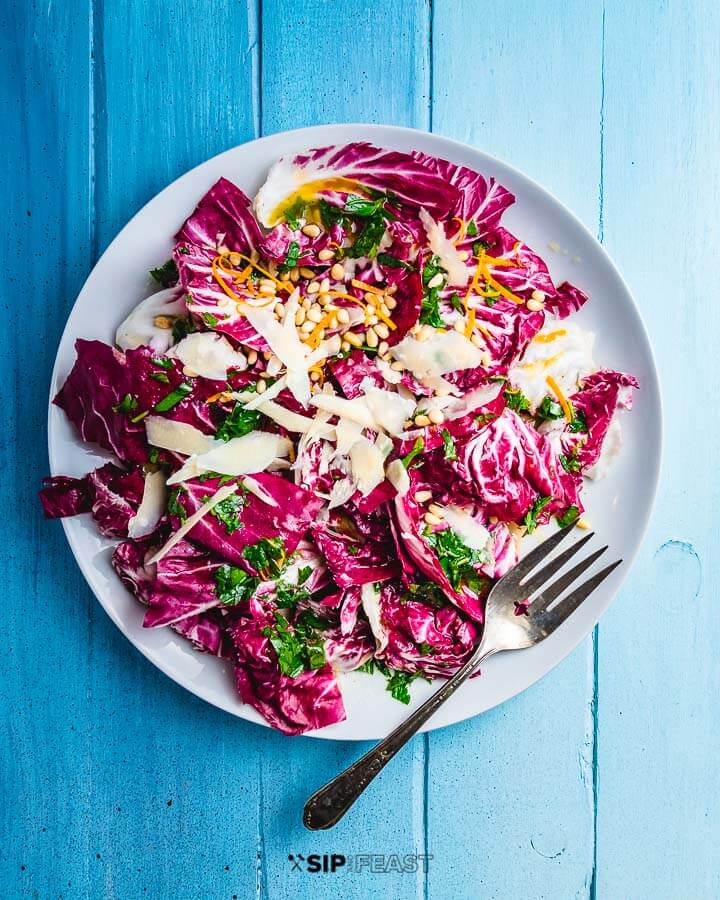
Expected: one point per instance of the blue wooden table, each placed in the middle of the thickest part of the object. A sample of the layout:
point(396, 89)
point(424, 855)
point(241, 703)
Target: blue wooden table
point(600, 781)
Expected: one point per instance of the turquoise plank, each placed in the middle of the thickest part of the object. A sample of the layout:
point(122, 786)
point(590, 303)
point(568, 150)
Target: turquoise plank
point(374, 74)
point(510, 797)
point(658, 739)
point(46, 200)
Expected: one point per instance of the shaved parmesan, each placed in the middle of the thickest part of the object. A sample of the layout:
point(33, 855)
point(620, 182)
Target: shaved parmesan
point(208, 354)
point(398, 477)
point(468, 529)
point(285, 417)
point(219, 495)
point(140, 330)
point(179, 437)
point(252, 452)
point(253, 400)
point(346, 433)
point(388, 409)
point(341, 492)
point(445, 250)
point(370, 599)
point(366, 461)
point(356, 410)
point(151, 508)
point(441, 353)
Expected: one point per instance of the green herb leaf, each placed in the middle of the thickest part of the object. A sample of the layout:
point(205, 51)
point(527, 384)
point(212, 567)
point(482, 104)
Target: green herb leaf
point(570, 514)
point(166, 275)
point(471, 230)
point(368, 240)
point(162, 362)
point(293, 255)
point(210, 319)
point(174, 506)
point(294, 212)
point(182, 327)
point(430, 311)
point(238, 423)
point(174, 397)
point(484, 418)
point(579, 422)
point(479, 246)
point(457, 303)
point(362, 207)
point(127, 404)
point(417, 447)
point(153, 455)
point(233, 585)
point(427, 592)
point(267, 556)
point(160, 376)
point(392, 262)
point(531, 517)
point(549, 409)
point(570, 462)
point(331, 215)
point(228, 512)
point(298, 648)
point(458, 561)
point(398, 686)
point(516, 400)
point(449, 445)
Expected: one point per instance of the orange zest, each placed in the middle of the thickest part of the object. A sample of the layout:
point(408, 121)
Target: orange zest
point(550, 336)
point(462, 231)
point(371, 288)
point(469, 328)
point(561, 398)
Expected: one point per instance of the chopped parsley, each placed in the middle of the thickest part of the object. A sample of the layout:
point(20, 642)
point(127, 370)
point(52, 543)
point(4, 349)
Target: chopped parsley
point(299, 648)
point(238, 423)
point(397, 682)
point(210, 319)
point(516, 400)
point(174, 506)
point(479, 246)
point(484, 418)
point(293, 213)
point(162, 362)
point(160, 376)
point(292, 257)
point(330, 215)
point(153, 455)
point(458, 561)
point(457, 303)
point(392, 262)
point(267, 556)
point(550, 409)
point(579, 422)
point(531, 516)
point(374, 215)
point(362, 207)
point(182, 327)
point(570, 462)
point(449, 445)
point(471, 230)
point(166, 275)
point(291, 594)
point(233, 585)
point(228, 511)
point(430, 311)
point(174, 397)
point(570, 514)
point(426, 592)
point(127, 404)
point(417, 447)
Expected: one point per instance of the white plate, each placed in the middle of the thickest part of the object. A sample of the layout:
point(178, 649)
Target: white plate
point(619, 506)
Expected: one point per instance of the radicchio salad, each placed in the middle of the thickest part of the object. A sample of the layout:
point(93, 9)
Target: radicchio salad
point(333, 428)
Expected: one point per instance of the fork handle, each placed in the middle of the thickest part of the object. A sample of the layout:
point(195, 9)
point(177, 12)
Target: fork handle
point(330, 803)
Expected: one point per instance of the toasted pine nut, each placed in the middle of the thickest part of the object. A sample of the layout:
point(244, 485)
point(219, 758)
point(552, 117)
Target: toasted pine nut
point(300, 316)
point(381, 330)
point(423, 496)
point(235, 259)
point(326, 254)
point(306, 273)
point(436, 280)
point(343, 316)
point(397, 366)
point(436, 510)
point(338, 272)
point(463, 255)
point(371, 320)
point(294, 275)
point(345, 346)
point(535, 305)
point(314, 313)
point(312, 230)
point(163, 322)
point(325, 285)
point(538, 295)
point(313, 288)
point(430, 519)
point(583, 524)
point(279, 310)
point(422, 421)
point(353, 339)
point(261, 386)
point(390, 302)
point(436, 416)
point(383, 347)
point(252, 357)
point(307, 326)
point(371, 339)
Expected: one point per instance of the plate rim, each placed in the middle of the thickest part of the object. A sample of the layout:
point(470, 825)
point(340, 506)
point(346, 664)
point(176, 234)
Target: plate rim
point(245, 711)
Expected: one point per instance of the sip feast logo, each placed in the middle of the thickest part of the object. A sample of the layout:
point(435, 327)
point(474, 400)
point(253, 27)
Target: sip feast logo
point(328, 862)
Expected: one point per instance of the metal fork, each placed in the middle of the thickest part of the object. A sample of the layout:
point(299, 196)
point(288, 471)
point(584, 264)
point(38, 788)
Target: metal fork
point(519, 613)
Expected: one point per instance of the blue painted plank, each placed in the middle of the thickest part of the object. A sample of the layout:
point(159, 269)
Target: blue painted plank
point(373, 74)
point(511, 803)
point(658, 738)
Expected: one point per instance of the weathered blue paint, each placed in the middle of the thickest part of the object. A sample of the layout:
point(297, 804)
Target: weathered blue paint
point(600, 781)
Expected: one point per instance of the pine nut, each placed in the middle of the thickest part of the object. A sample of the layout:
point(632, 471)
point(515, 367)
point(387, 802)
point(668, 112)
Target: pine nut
point(422, 421)
point(583, 524)
point(294, 275)
point(391, 289)
point(390, 302)
point(384, 310)
point(345, 346)
point(338, 272)
point(284, 276)
point(267, 354)
point(538, 295)
point(423, 496)
point(422, 335)
point(312, 288)
point(235, 259)
point(371, 319)
point(314, 314)
point(371, 339)
point(267, 284)
point(315, 376)
point(164, 322)
point(436, 416)
point(381, 330)
point(430, 519)
point(299, 316)
point(252, 357)
point(279, 310)
point(535, 305)
point(261, 386)
point(459, 326)
point(436, 281)
point(307, 327)
point(325, 285)
point(312, 231)
point(463, 255)
point(326, 254)
point(343, 316)
point(485, 360)
point(306, 273)
point(397, 366)
point(383, 347)
point(353, 339)
point(436, 510)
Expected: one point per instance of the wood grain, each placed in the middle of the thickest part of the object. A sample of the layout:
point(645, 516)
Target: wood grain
point(598, 782)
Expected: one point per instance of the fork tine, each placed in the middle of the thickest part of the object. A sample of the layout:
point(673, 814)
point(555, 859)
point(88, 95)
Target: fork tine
point(548, 594)
point(542, 576)
point(536, 556)
point(567, 606)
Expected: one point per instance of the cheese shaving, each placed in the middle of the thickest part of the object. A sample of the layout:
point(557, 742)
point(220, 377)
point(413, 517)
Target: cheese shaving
point(221, 494)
